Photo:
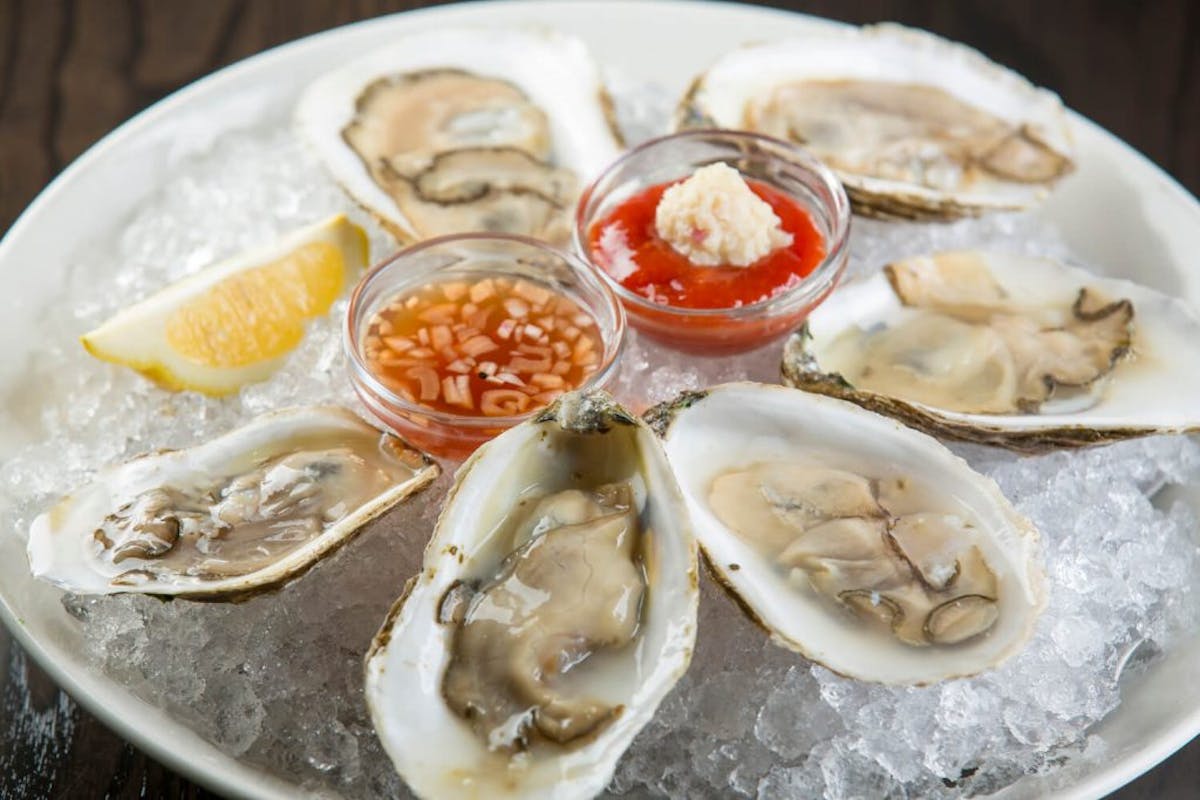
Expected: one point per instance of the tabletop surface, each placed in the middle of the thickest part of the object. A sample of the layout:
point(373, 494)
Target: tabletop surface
point(71, 70)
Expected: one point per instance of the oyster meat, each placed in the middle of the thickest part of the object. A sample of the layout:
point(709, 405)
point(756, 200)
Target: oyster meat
point(915, 126)
point(1010, 350)
point(465, 130)
point(555, 609)
point(246, 511)
point(919, 574)
point(567, 594)
point(864, 545)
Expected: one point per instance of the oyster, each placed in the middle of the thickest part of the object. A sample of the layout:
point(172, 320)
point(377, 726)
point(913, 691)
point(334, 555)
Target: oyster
point(915, 126)
point(465, 129)
point(864, 545)
point(555, 610)
point(246, 511)
point(1011, 350)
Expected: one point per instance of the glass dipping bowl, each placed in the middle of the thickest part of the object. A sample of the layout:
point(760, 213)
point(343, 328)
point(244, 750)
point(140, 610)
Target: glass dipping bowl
point(780, 165)
point(470, 256)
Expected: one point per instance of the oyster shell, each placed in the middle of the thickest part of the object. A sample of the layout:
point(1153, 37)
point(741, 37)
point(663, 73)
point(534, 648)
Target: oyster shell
point(465, 129)
point(915, 126)
point(555, 610)
point(864, 545)
point(1016, 351)
point(244, 512)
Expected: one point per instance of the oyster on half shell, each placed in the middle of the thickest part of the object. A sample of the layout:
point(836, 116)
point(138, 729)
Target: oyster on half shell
point(465, 129)
point(244, 512)
point(1001, 349)
point(555, 609)
point(915, 126)
point(864, 545)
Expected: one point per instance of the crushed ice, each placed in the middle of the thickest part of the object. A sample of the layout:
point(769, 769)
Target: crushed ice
point(276, 681)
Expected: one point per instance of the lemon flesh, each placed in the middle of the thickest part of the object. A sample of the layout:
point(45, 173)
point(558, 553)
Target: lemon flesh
point(233, 322)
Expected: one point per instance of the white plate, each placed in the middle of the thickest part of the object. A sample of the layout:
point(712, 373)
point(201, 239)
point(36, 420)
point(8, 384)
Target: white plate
point(1119, 211)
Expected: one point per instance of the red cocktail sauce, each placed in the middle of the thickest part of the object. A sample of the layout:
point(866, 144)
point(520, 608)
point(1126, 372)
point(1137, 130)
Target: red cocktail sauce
point(626, 245)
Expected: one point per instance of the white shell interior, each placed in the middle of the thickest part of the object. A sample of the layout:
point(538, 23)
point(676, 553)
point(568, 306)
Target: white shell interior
point(893, 53)
point(554, 70)
point(59, 539)
point(1155, 389)
point(741, 424)
point(434, 750)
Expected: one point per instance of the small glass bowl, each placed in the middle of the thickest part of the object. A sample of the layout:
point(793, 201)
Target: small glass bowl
point(780, 165)
point(465, 256)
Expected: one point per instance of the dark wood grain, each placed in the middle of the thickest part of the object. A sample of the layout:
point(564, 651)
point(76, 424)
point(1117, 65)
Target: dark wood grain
point(71, 70)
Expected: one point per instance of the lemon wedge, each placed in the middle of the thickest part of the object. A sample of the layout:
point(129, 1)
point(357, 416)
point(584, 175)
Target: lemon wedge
point(233, 322)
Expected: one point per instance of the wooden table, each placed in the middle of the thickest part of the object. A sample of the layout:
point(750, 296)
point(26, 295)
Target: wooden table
point(72, 71)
